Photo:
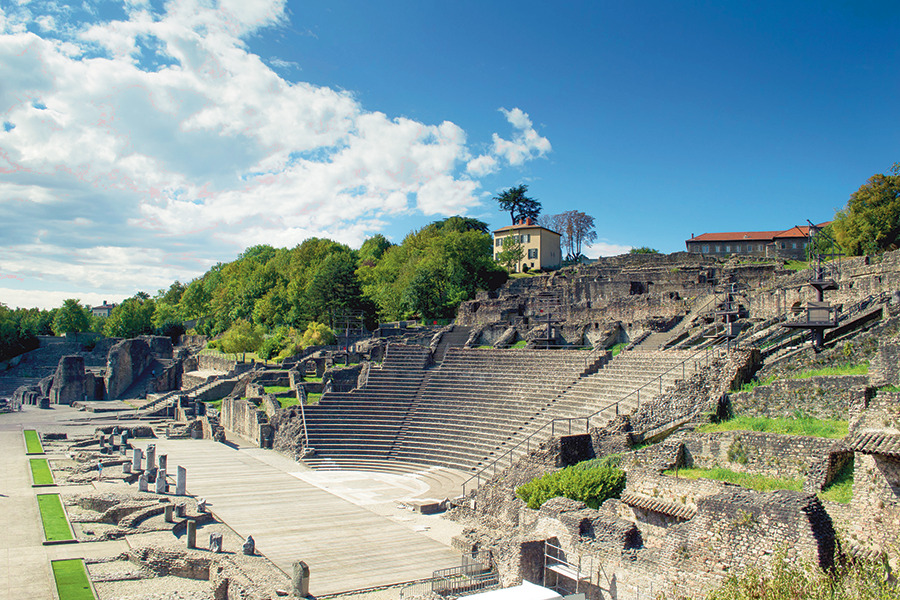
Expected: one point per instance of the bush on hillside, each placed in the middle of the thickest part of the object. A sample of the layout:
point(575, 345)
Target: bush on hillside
point(593, 485)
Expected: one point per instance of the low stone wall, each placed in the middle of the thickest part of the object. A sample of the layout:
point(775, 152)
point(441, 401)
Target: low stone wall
point(884, 369)
point(823, 397)
point(215, 362)
point(768, 454)
point(245, 419)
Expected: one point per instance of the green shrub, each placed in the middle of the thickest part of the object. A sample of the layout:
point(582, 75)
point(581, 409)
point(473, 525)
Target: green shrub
point(592, 485)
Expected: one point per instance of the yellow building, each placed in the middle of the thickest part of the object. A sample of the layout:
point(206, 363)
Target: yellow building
point(540, 244)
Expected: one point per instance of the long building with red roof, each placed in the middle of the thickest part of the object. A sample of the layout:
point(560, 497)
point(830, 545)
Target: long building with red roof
point(788, 244)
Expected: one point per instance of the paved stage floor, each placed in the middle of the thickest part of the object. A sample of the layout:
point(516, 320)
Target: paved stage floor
point(352, 536)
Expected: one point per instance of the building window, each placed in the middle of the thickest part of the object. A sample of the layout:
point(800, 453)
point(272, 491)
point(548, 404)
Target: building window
point(759, 248)
point(498, 242)
point(782, 245)
point(532, 253)
point(737, 248)
point(728, 248)
point(706, 248)
point(794, 245)
point(718, 248)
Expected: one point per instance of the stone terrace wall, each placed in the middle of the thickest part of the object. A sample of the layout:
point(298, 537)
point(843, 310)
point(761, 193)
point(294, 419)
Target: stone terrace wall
point(884, 369)
point(768, 454)
point(626, 288)
point(824, 397)
point(860, 276)
point(215, 362)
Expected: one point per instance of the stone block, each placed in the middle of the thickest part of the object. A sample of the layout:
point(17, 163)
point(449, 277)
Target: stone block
point(181, 481)
point(300, 579)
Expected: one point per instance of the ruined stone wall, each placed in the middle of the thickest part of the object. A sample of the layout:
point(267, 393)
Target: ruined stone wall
point(823, 397)
point(245, 419)
point(884, 369)
point(215, 362)
point(627, 288)
point(768, 454)
point(860, 276)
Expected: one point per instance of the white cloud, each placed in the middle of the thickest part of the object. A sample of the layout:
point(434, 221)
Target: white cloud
point(603, 248)
point(148, 148)
point(483, 165)
point(526, 144)
point(48, 299)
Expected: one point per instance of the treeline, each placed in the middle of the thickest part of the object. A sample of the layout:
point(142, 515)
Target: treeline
point(279, 299)
point(427, 276)
point(19, 329)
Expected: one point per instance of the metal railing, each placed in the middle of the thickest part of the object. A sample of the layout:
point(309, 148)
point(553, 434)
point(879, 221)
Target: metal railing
point(709, 354)
point(475, 573)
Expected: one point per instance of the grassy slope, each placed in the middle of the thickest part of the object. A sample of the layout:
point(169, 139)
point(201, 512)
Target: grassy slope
point(760, 483)
point(801, 426)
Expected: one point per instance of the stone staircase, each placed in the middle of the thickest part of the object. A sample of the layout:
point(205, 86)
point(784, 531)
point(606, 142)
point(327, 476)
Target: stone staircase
point(456, 338)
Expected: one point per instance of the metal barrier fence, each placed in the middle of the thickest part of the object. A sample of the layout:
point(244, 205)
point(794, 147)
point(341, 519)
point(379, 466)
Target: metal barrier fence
point(474, 574)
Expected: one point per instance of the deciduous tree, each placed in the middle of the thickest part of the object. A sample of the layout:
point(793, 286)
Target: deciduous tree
point(870, 223)
point(511, 252)
point(71, 317)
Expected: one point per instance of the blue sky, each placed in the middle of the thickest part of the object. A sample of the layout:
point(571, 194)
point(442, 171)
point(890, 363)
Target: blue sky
point(146, 141)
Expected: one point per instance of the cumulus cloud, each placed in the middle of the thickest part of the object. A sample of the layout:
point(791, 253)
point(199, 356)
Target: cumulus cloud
point(146, 148)
point(605, 248)
point(526, 143)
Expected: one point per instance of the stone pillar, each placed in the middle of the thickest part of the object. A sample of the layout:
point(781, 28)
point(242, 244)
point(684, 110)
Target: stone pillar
point(170, 513)
point(180, 510)
point(161, 485)
point(142, 483)
point(151, 455)
point(126, 468)
point(163, 461)
point(136, 459)
point(192, 534)
point(181, 481)
point(300, 579)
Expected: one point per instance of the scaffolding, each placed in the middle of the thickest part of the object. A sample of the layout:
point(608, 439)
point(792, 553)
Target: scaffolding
point(561, 574)
point(547, 304)
point(819, 314)
point(732, 302)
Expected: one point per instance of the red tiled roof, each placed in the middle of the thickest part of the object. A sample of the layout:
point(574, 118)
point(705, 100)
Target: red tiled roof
point(799, 231)
point(736, 236)
point(517, 227)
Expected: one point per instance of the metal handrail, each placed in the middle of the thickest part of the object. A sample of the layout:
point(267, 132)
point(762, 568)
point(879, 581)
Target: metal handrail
point(587, 419)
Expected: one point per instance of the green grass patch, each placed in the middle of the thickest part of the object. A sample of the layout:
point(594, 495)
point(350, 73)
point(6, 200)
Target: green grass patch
point(796, 265)
point(40, 472)
point(33, 442)
point(519, 344)
point(216, 404)
point(861, 369)
point(313, 398)
point(823, 428)
point(618, 348)
point(760, 483)
point(276, 389)
point(53, 516)
point(591, 484)
point(288, 401)
point(312, 379)
point(72, 580)
point(841, 487)
point(889, 388)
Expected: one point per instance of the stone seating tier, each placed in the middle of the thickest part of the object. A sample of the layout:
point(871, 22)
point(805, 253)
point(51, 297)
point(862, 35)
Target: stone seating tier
point(477, 404)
